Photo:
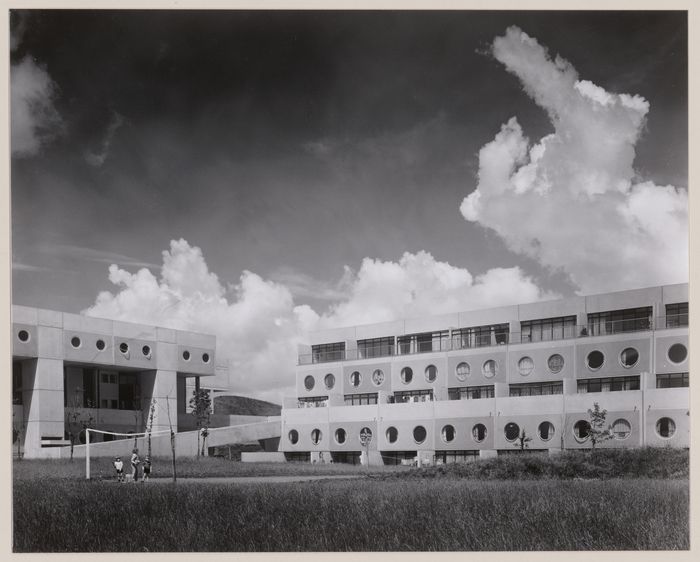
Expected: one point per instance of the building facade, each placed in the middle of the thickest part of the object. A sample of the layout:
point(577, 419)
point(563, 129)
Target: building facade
point(461, 386)
point(67, 368)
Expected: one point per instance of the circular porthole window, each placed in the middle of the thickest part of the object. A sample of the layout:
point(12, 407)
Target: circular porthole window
point(479, 432)
point(545, 430)
point(340, 436)
point(621, 429)
point(146, 350)
point(186, 355)
point(525, 366)
point(406, 375)
point(555, 363)
point(595, 360)
point(23, 336)
point(489, 369)
point(582, 430)
point(629, 357)
point(377, 377)
point(355, 378)
point(329, 380)
point(431, 373)
point(448, 433)
point(365, 435)
point(205, 357)
point(392, 434)
point(511, 431)
point(309, 382)
point(665, 428)
point(677, 353)
point(75, 342)
point(124, 347)
point(419, 434)
point(316, 436)
point(100, 345)
point(462, 371)
point(293, 436)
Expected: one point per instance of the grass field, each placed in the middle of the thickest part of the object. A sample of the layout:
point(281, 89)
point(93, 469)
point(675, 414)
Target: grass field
point(610, 501)
point(353, 515)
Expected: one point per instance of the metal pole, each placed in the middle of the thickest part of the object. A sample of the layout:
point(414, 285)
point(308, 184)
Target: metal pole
point(87, 454)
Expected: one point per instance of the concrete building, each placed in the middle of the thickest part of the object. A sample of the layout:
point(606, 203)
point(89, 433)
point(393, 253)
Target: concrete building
point(459, 386)
point(71, 365)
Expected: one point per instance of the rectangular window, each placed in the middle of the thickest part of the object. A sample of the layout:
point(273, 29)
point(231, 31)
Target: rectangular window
point(129, 392)
point(470, 392)
point(537, 388)
point(89, 388)
point(401, 397)
point(17, 383)
point(375, 347)
point(425, 342)
point(326, 352)
point(620, 321)
point(548, 329)
point(480, 336)
point(672, 380)
point(361, 399)
point(450, 457)
point(677, 315)
point(607, 384)
point(315, 402)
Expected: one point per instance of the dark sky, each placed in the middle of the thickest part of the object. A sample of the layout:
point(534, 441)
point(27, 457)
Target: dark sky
point(293, 143)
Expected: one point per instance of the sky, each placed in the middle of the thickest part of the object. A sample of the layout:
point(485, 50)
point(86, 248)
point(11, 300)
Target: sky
point(259, 175)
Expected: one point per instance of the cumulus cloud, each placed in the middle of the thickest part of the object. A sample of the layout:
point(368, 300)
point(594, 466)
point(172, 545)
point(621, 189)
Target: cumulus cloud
point(34, 118)
point(572, 200)
point(258, 325)
point(419, 285)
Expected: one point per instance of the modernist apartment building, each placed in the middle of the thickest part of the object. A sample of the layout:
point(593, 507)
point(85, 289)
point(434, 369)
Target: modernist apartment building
point(457, 386)
point(68, 364)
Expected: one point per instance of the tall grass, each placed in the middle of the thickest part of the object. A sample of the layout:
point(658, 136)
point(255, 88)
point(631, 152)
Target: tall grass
point(357, 515)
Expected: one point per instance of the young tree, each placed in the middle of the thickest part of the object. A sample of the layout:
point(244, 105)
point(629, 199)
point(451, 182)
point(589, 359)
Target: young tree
point(149, 424)
point(201, 410)
point(172, 436)
point(77, 418)
point(522, 441)
point(597, 431)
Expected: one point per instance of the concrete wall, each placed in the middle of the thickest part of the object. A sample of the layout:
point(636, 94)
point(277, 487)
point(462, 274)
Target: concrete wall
point(640, 409)
point(47, 341)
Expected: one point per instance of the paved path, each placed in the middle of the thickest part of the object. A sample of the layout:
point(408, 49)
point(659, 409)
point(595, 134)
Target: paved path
point(252, 479)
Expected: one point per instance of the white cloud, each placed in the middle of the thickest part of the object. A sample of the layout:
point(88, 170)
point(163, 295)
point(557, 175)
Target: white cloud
point(34, 118)
point(572, 200)
point(257, 324)
point(419, 285)
point(98, 159)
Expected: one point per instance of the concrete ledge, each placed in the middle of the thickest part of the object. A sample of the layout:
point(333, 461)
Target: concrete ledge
point(262, 457)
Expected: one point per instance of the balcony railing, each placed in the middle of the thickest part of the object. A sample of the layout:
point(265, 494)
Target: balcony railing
point(672, 321)
point(456, 343)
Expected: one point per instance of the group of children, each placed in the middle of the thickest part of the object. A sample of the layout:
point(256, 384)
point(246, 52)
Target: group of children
point(135, 462)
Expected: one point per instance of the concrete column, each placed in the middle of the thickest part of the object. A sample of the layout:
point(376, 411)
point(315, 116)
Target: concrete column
point(161, 386)
point(42, 381)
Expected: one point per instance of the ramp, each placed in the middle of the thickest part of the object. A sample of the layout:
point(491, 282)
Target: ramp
point(185, 442)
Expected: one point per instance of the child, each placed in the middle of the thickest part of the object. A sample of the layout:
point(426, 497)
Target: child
point(135, 461)
point(119, 466)
point(146, 469)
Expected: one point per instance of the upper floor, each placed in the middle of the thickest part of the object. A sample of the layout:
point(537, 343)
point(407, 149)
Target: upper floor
point(640, 310)
point(83, 340)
